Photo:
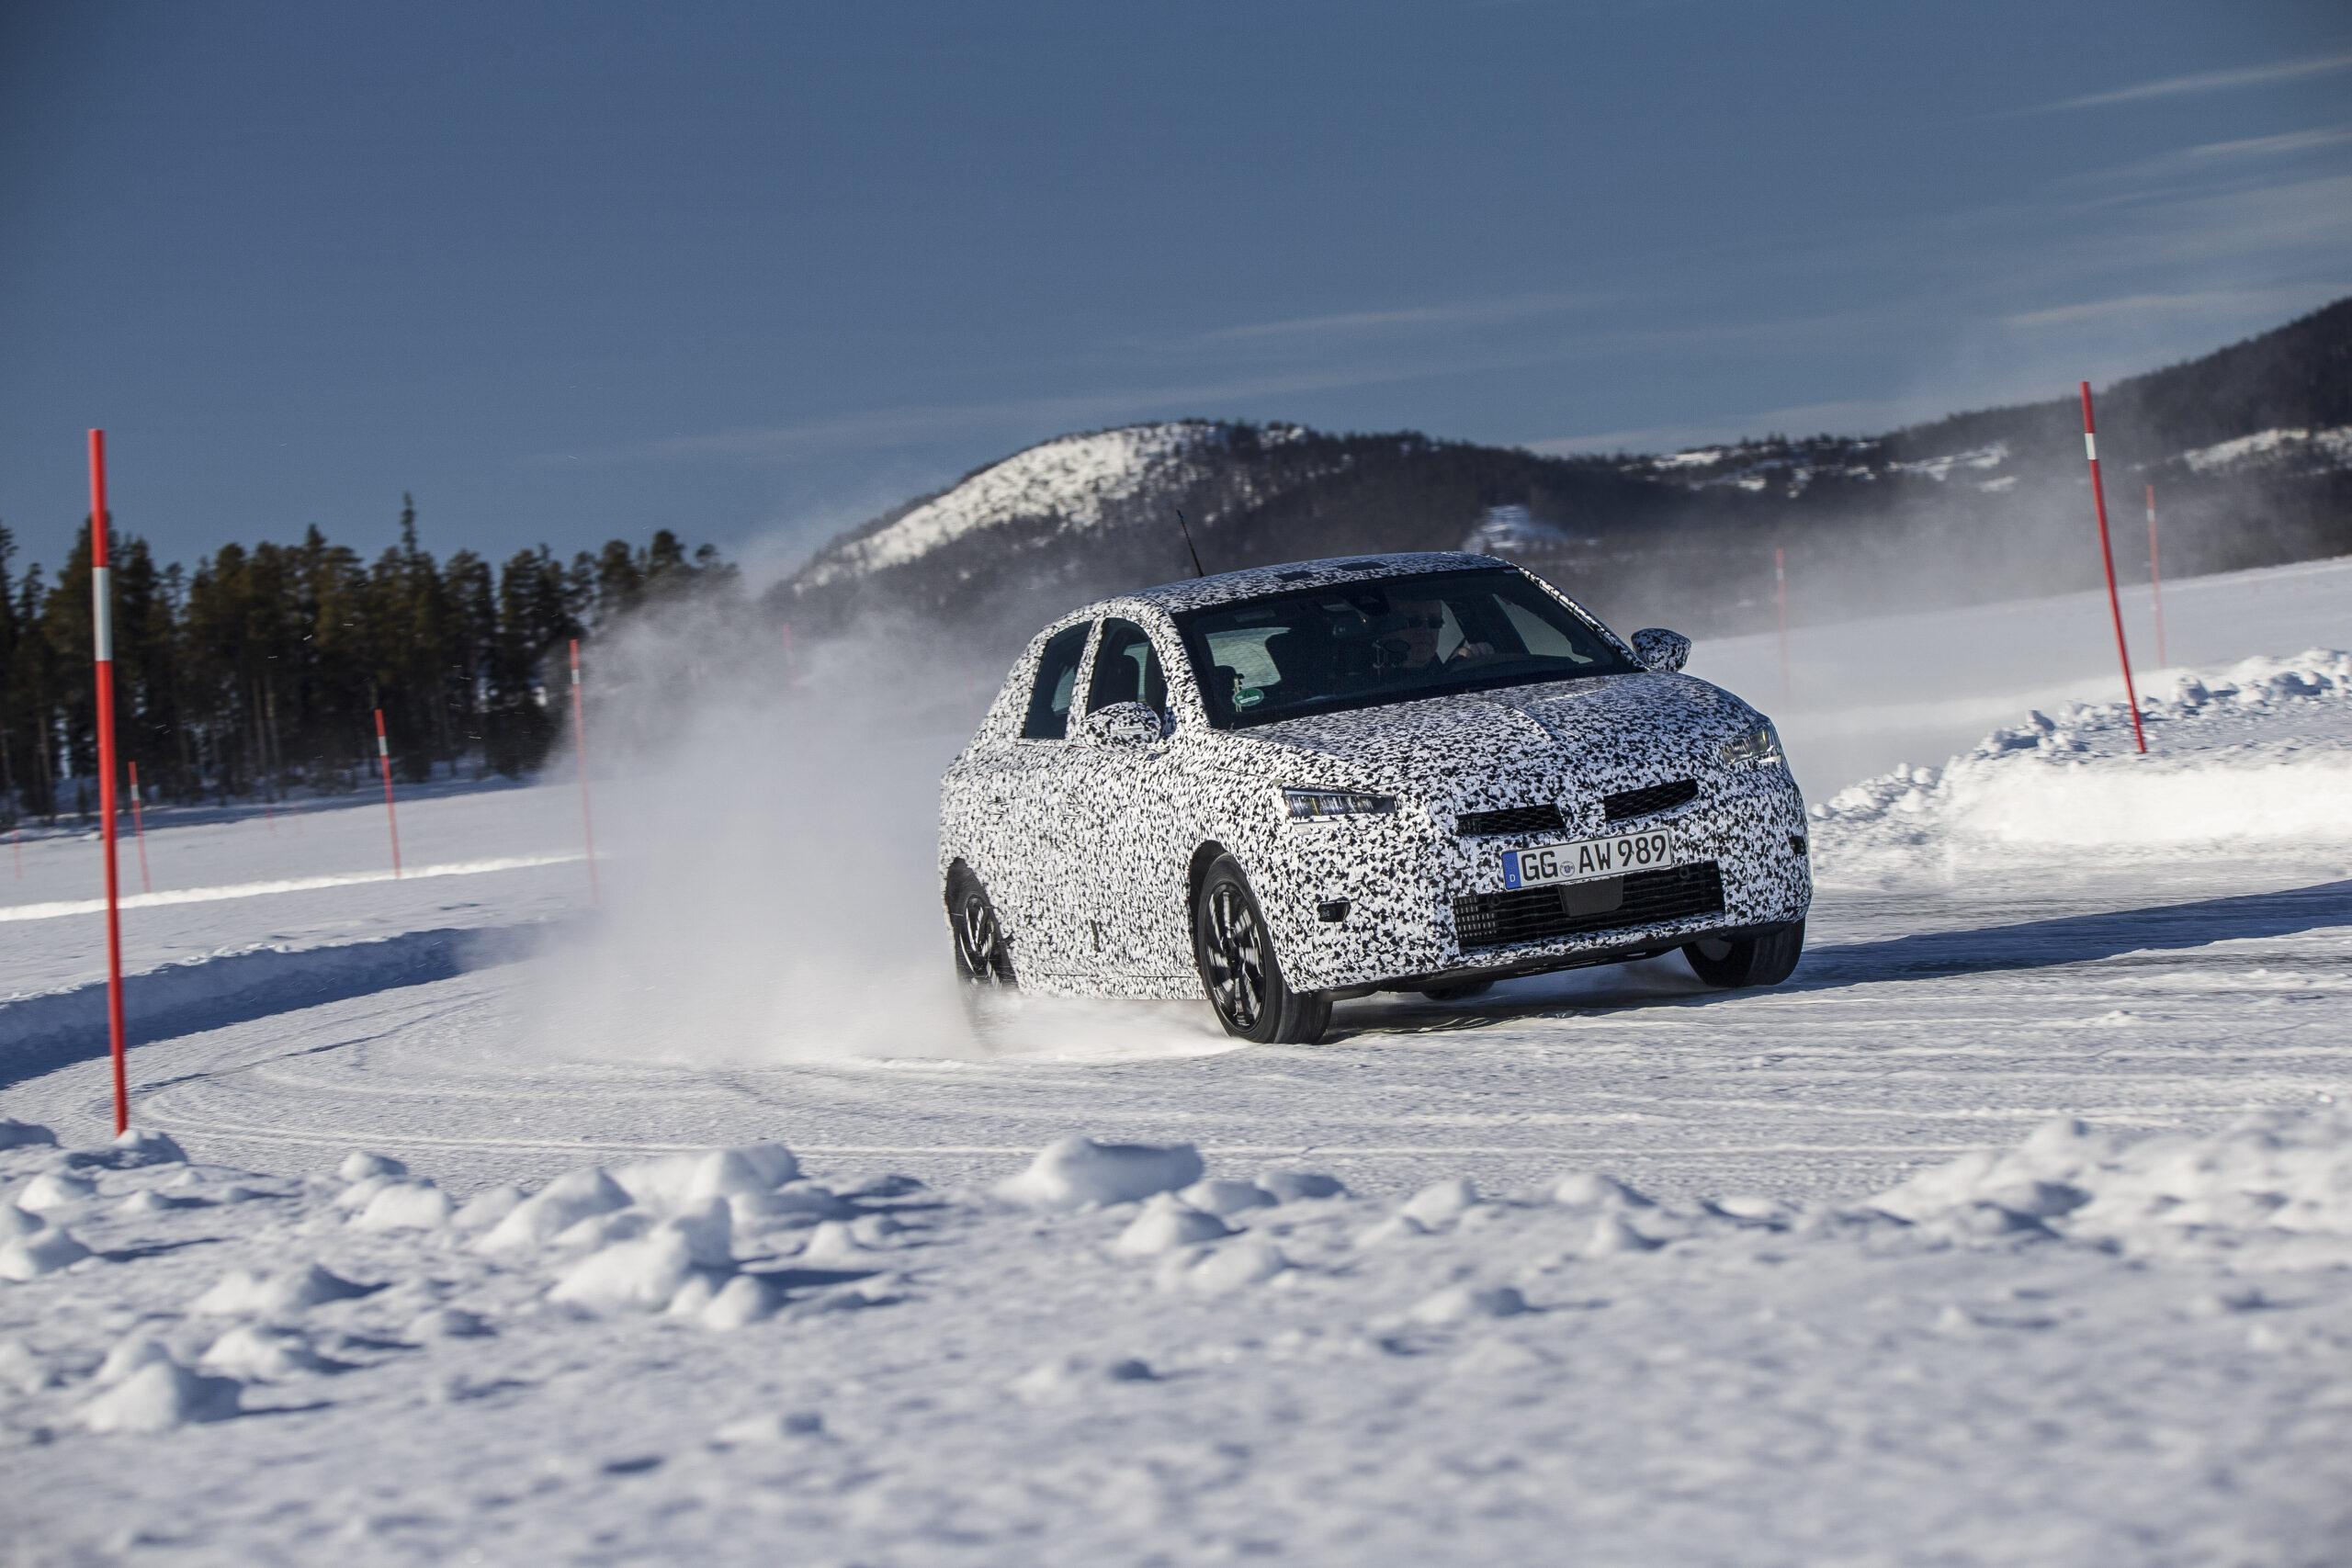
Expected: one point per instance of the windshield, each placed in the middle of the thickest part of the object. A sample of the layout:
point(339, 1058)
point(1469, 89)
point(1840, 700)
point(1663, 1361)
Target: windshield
point(1360, 644)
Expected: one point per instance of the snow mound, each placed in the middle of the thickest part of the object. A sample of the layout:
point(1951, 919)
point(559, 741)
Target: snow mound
point(245, 1292)
point(2274, 1190)
point(677, 1181)
point(1298, 1186)
point(1441, 1203)
point(1215, 1196)
point(1463, 1303)
point(1222, 1271)
point(55, 1190)
point(44, 1252)
point(261, 1355)
point(15, 1223)
point(359, 1165)
point(143, 1145)
point(1166, 1224)
point(554, 1209)
point(2076, 781)
point(1592, 1190)
point(159, 1396)
point(640, 1275)
point(1079, 1171)
point(405, 1206)
point(16, 1134)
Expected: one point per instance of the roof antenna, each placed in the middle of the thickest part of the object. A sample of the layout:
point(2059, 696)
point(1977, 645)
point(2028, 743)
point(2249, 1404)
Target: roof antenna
point(1188, 543)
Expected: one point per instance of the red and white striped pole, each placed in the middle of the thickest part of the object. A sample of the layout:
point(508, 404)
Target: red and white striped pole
point(139, 827)
point(2106, 556)
point(1780, 592)
point(579, 743)
point(102, 623)
point(2157, 580)
point(384, 757)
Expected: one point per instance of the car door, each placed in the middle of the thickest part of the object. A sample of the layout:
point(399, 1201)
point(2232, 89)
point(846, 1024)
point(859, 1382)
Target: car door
point(1033, 831)
point(1139, 847)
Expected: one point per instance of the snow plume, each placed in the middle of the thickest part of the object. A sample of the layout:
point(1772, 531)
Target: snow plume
point(767, 823)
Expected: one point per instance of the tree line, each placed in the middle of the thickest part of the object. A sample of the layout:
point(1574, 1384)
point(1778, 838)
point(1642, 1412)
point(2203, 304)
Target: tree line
point(260, 671)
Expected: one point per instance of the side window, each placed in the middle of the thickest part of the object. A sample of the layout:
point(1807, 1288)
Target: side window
point(1127, 669)
point(1057, 678)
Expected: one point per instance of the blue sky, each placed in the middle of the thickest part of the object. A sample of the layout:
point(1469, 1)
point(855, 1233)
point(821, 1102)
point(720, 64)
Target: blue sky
point(757, 272)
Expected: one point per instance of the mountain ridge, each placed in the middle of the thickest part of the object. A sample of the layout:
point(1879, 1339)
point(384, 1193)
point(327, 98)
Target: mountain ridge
point(2250, 446)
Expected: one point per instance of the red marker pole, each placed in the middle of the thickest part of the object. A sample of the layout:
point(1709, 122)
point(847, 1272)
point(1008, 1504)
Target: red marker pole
point(102, 623)
point(579, 743)
point(384, 757)
point(139, 827)
point(2107, 555)
point(1780, 592)
point(2155, 578)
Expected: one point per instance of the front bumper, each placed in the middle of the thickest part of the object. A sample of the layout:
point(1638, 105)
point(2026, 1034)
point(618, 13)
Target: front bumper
point(1425, 905)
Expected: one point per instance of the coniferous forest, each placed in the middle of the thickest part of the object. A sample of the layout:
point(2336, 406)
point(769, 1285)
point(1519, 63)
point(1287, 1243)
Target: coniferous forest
point(260, 671)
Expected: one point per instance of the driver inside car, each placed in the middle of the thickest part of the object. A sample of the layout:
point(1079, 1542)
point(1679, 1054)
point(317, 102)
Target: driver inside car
point(1408, 634)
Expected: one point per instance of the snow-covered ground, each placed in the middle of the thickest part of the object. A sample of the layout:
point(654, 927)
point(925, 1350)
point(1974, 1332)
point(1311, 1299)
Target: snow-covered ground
point(2015, 1228)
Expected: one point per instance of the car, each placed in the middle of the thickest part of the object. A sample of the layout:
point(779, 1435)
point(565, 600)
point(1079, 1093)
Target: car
point(1295, 784)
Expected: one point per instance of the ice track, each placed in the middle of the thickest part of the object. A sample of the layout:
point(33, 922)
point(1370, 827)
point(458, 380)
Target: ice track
point(1921, 1024)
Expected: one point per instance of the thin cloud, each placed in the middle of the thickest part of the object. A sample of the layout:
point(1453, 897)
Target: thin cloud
point(1359, 322)
point(2204, 303)
point(2203, 82)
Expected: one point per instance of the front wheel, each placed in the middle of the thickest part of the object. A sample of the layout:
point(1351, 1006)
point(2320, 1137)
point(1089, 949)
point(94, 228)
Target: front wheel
point(1747, 961)
point(981, 956)
point(1240, 971)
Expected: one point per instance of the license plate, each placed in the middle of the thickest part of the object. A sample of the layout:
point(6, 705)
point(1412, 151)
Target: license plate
point(1587, 859)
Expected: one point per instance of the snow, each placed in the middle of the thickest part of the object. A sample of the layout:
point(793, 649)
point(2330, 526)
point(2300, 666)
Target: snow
point(2335, 444)
point(1074, 477)
point(1078, 1172)
point(2014, 1228)
point(2253, 759)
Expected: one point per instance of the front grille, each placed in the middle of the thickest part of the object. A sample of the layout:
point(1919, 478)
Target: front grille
point(1648, 798)
point(1516, 819)
point(1540, 914)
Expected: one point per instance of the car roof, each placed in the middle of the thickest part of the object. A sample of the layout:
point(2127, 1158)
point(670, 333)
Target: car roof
point(1228, 587)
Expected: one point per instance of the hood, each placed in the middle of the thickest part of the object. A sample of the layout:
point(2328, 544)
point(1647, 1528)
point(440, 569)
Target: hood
point(1561, 740)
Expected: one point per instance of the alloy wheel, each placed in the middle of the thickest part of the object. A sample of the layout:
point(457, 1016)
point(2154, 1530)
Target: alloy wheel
point(978, 941)
point(1237, 955)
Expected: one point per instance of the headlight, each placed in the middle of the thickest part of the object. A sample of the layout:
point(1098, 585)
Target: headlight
point(1761, 747)
point(1331, 805)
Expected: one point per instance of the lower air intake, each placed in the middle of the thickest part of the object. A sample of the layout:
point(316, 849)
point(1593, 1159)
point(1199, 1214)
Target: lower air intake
point(1576, 908)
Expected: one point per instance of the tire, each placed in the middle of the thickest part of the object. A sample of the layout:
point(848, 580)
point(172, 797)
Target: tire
point(1239, 972)
point(1750, 961)
point(982, 959)
point(1461, 993)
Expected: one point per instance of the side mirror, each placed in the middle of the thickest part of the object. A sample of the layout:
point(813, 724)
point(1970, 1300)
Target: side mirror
point(1662, 650)
point(1123, 723)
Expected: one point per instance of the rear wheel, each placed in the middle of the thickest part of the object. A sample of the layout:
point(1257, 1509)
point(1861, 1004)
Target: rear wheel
point(1747, 961)
point(1240, 971)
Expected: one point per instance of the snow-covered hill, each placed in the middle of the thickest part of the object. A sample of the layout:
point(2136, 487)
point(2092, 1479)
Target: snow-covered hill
point(2247, 447)
point(1076, 482)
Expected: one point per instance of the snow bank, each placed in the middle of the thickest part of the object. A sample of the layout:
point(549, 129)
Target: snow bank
point(2276, 1189)
point(1078, 1172)
point(2074, 780)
